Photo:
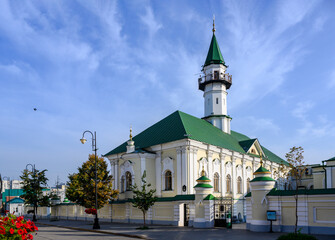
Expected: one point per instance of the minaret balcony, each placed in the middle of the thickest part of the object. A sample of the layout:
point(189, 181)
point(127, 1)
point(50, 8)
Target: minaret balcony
point(223, 78)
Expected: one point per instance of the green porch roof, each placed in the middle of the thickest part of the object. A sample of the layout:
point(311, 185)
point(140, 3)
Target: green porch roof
point(180, 125)
point(16, 200)
point(275, 192)
point(214, 55)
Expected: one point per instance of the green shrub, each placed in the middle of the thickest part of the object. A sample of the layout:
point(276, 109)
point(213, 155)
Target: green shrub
point(296, 236)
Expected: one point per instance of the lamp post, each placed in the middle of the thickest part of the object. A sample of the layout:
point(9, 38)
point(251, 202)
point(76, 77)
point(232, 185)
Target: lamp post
point(33, 170)
point(94, 148)
point(10, 187)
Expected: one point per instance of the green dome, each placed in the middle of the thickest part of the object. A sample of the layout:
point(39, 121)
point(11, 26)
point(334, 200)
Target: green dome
point(261, 170)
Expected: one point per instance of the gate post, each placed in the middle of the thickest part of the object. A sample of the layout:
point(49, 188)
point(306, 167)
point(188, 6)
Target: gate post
point(260, 187)
point(204, 210)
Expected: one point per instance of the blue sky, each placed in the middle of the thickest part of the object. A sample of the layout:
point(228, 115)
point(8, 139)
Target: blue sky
point(106, 65)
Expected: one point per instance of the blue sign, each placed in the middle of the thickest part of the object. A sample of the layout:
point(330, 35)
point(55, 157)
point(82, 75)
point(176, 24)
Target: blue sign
point(271, 215)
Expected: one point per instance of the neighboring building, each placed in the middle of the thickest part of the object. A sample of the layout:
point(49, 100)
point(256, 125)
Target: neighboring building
point(15, 206)
point(175, 151)
point(59, 191)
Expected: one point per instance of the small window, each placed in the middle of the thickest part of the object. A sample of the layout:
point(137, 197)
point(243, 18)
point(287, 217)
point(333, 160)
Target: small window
point(168, 180)
point(217, 100)
point(248, 184)
point(216, 75)
point(128, 181)
point(253, 151)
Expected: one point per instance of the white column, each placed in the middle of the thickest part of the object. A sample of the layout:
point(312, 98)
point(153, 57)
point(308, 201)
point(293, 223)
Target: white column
point(223, 174)
point(210, 165)
point(184, 169)
point(244, 178)
point(158, 174)
point(113, 173)
point(179, 168)
point(271, 169)
point(116, 174)
point(142, 167)
point(253, 165)
point(329, 177)
point(233, 172)
point(191, 163)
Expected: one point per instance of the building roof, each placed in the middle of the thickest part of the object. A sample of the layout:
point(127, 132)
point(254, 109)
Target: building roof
point(275, 192)
point(214, 55)
point(180, 125)
point(330, 159)
point(261, 170)
point(246, 144)
point(11, 193)
point(16, 200)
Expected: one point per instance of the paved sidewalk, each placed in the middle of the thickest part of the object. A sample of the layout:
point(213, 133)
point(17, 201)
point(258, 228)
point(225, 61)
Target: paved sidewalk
point(167, 232)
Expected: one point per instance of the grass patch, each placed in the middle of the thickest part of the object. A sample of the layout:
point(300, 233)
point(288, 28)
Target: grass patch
point(296, 236)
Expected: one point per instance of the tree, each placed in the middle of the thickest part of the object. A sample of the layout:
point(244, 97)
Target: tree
point(295, 159)
point(81, 185)
point(33, 184)
point(142, 199)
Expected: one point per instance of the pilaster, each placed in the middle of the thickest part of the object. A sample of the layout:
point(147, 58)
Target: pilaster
point(179, 168)
point(158, 162)
point(184, 169)
point(223, 174)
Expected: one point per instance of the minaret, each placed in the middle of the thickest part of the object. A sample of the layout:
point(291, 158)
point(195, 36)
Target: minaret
point(215, 82)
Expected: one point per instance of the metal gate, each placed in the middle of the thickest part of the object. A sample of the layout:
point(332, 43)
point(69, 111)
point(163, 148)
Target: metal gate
point(223, 208)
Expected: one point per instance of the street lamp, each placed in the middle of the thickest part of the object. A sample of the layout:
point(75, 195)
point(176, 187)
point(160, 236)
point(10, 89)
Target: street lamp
point(94, 148)
point(33, 170)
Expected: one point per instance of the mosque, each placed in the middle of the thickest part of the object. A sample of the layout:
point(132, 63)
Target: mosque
point(181, 148)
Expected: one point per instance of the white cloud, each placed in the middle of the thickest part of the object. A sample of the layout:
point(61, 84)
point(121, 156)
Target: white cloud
point(263, 50)
point(301, 110)
point(151, 23)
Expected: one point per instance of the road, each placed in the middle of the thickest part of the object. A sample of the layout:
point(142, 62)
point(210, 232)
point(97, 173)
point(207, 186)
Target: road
point(56, 233)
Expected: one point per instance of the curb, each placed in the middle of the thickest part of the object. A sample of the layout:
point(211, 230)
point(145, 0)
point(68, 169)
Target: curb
point(97, 231)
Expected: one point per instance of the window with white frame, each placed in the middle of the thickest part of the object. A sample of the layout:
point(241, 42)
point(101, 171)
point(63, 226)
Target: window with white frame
point(168, 180)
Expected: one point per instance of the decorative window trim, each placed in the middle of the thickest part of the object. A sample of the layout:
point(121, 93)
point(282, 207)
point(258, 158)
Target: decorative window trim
point(127, 166)
point(203, 162)
point(167, 166)
point(219, 182)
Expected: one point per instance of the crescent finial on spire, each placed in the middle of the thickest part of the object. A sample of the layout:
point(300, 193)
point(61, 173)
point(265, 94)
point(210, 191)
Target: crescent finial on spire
point(213, 24)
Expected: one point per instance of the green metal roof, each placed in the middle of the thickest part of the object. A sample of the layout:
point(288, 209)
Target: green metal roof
point(11, 193)
point(214, 55)
point(203, 178)
point(180, 125)
point(330, 159)
point(262, 169)
point(275, 192)
point(16, 200)
point(209, 197)
point(184, 197)
point(203, 185)
point(265, 179)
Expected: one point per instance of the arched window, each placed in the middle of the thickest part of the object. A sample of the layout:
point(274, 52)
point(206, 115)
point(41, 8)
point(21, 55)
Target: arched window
point(228, 182)
point(216, 182)
point(128, 181)
point(239, 184)
point(168, 180)
point(122, 184)
point(248, 184)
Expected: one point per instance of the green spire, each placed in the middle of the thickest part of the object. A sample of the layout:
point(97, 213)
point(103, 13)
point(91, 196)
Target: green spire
point(214, 54)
